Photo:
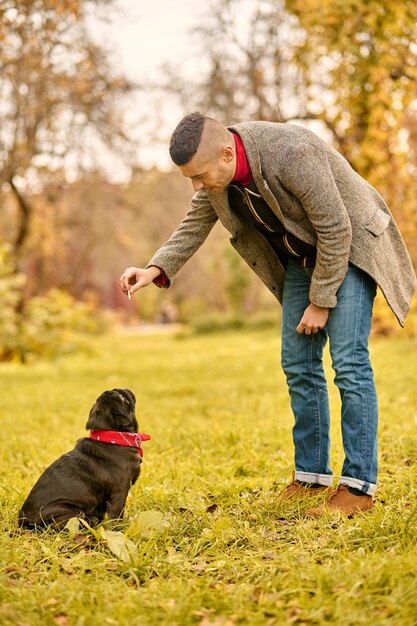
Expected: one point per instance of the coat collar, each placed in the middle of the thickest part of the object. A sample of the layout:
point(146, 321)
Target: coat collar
point(220, 201)
point(252, 152)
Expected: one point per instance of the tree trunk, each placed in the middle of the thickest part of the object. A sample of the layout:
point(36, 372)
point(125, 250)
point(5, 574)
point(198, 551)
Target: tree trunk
point(25, 211)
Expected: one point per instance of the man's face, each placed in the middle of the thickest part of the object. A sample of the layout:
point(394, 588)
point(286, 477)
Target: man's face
point(214, 175)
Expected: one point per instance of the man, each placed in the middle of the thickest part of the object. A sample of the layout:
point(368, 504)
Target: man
point(321, 239)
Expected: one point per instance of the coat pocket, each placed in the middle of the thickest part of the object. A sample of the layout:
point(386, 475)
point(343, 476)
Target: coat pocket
point(378, 222)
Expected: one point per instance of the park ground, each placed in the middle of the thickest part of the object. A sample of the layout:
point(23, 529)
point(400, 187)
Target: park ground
point(205, 540)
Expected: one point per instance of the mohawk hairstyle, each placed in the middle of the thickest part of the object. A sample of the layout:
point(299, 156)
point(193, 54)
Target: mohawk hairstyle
point(186, 138)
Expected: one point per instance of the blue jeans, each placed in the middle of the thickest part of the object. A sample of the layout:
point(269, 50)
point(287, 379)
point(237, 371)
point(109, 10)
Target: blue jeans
point(348, 330)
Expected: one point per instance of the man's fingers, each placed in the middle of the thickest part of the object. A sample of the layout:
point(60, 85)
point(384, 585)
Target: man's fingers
point(307, 330)
point(128, 278)
point(124, 282)
point(134, 278)
point(138, 282)
point(136, 286)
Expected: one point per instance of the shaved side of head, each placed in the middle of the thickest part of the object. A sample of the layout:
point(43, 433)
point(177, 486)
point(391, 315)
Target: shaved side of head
point(213, 139)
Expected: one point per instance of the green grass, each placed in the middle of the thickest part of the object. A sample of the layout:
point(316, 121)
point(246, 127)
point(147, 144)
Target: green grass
point(218, 412)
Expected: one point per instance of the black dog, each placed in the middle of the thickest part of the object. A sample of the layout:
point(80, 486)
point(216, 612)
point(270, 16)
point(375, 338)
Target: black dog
point(95, 477)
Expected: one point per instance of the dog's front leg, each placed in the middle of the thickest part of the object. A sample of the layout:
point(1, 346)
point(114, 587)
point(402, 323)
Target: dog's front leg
point(116, 504)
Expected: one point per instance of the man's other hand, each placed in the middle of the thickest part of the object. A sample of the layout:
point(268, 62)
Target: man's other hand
point(313, 320)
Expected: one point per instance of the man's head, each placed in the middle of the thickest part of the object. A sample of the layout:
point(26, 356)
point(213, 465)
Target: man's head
point(204, 151)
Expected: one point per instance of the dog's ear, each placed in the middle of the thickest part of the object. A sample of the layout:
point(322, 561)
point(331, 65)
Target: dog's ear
point(122, 420)
point(100, 416)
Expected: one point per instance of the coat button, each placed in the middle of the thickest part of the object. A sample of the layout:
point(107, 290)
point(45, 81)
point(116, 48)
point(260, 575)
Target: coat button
point(254, 263)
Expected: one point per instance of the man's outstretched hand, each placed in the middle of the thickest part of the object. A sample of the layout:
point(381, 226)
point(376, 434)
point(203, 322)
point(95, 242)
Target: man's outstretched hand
point(314, 319)
point(134, 278)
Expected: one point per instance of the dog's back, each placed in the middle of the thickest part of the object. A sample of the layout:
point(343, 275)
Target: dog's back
point(92, 479)
point(80, 484)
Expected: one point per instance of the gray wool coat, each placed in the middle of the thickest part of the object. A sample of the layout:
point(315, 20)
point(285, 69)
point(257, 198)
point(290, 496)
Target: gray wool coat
point(320, 199)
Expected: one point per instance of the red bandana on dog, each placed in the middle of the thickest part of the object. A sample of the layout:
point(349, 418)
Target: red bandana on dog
point(131, 440)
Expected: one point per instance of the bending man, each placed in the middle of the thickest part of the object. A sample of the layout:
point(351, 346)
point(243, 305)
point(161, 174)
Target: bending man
point(321, 239)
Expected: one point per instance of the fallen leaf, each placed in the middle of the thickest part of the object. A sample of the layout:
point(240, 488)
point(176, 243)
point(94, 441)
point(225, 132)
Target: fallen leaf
point(148, 524)
point(119, 544)
point(73, 525)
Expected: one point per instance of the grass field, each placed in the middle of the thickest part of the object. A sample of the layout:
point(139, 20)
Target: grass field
point(221, 550)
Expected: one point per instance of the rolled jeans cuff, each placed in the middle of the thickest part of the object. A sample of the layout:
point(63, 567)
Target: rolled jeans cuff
point(362, 485)
point(320, 479)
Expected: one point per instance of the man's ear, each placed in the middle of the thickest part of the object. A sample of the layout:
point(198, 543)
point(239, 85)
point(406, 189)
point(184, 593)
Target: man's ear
point(228, 153)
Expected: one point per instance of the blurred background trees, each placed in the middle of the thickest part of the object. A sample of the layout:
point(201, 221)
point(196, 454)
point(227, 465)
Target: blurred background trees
point(58, 106)
point(58, 96)
point(363, 55)
point(346, 70)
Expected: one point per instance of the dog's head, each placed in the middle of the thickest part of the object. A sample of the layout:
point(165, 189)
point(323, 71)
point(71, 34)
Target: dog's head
point(114, 410)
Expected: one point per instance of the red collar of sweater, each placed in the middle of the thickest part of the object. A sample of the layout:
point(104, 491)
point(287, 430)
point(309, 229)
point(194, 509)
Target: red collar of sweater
point(131, 440)
point(243, 175)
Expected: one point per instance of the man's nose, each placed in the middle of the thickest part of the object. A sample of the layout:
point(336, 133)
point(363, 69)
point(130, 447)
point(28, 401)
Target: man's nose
point(197, 185)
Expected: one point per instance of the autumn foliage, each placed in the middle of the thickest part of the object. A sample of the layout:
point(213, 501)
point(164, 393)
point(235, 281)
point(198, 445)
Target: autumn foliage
point(348, 70)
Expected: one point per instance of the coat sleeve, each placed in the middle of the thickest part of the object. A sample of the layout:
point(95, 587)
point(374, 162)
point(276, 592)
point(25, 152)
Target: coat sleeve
point(188, 237)
point(308, 176)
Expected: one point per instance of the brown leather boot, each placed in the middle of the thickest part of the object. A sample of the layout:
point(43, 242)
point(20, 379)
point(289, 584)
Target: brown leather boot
point(342, 502)
point(296, 491)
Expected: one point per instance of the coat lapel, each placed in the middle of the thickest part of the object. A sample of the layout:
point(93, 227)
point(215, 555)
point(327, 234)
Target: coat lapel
point(230, 220)
point(253, 157)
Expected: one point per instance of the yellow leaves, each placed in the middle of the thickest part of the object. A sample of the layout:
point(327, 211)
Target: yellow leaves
point(148, 524)
point(221, 530)
point(323, 14)
point(73, 525)
point(379, 73)
point(372, 81)
point(61, 7)
point(119, 544)
point(52, 74)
